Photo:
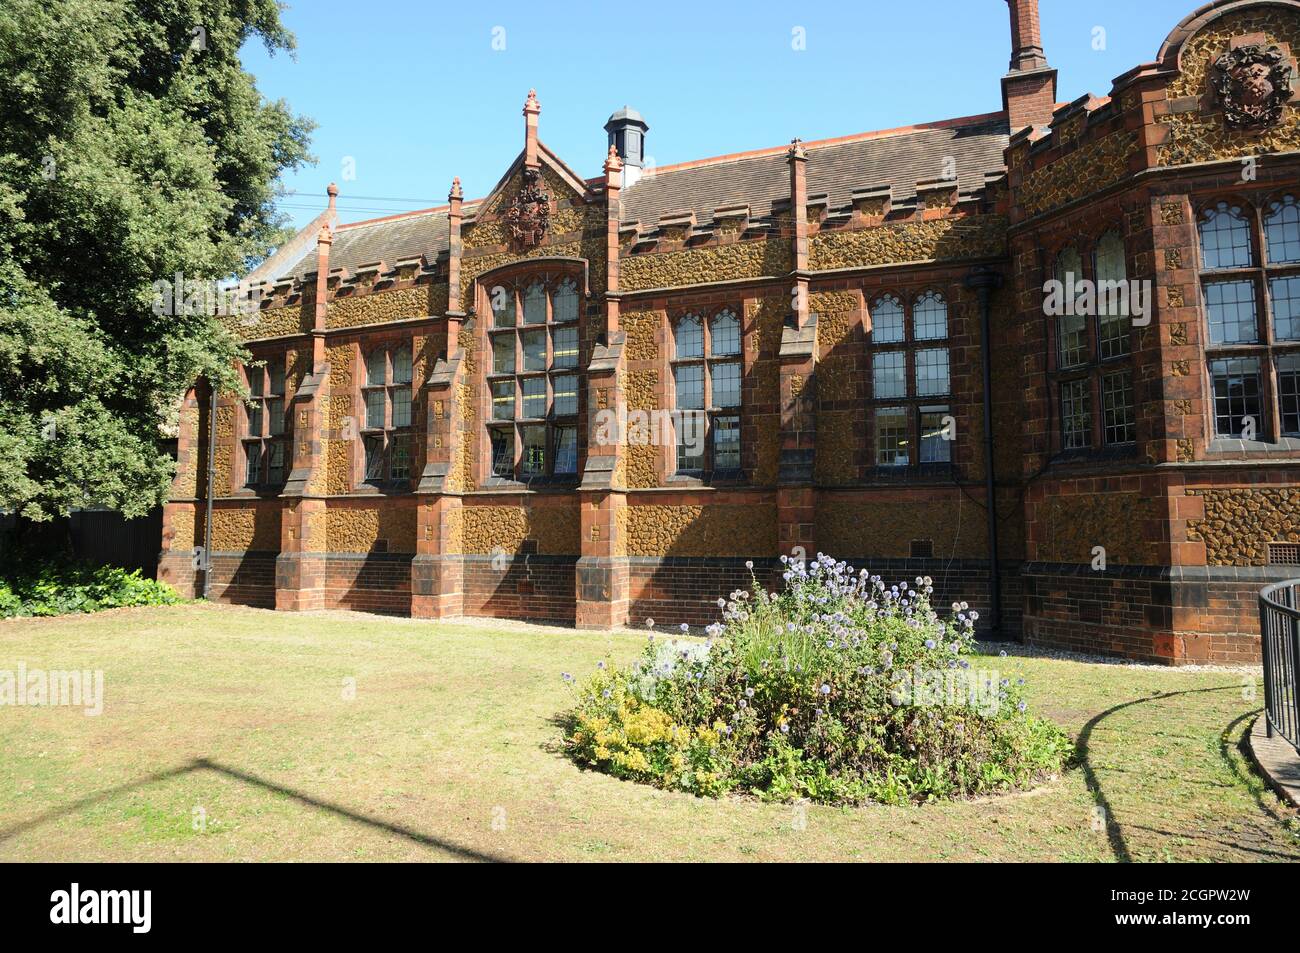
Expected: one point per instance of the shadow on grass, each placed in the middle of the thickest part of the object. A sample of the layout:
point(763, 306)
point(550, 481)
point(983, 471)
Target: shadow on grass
point(1114, 830)
point(204, 764)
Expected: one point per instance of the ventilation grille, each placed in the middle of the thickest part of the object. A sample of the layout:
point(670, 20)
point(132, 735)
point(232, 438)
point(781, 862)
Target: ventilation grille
point(1284, 554)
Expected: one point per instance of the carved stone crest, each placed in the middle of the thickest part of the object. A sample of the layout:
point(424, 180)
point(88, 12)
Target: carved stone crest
point(529, 215)
point(1253, 83)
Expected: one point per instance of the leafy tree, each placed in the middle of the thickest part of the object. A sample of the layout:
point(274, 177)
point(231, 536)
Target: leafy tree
point(133, 146)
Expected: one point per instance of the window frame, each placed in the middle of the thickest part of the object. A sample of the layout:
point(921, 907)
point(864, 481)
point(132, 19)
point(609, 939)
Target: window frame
point(261, 445)
point(916, 406)
point(389, 434)
point(517, 429)
point(709, 412)
point(1095, 368)
point(1267, 349)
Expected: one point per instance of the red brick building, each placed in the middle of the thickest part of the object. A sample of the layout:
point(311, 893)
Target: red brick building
point(594, 401)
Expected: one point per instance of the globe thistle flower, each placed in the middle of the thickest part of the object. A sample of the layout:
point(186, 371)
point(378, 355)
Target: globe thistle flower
point(649, 623)
point(749, 564)
point(1021, 707)
point(825, 689)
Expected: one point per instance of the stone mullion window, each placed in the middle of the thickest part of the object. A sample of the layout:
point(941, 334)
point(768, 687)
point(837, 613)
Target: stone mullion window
point(1092, 372)
point(707, 361)
point(1250, 288)
point(911, 383)
point(386, 414)
point(266, 441)
point(530, 372)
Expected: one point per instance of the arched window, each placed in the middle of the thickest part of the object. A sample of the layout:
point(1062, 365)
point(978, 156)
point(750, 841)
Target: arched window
point(1282, 231)
point(534, 381)
point(386, 435)
point(1071, 327)
point(1092, 341)
point(535, 304)
point(706, 382)
point(1225, 238)
point(887, 320)
point(931, 314)
point(566, 301)
point(1112, 296)
point(909, 373)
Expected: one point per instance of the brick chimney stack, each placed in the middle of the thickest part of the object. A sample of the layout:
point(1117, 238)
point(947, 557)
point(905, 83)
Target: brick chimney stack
point(1029, 89)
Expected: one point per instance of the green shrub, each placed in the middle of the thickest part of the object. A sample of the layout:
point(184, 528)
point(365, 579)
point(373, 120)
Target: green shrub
point(44, 586)
point(840, 689)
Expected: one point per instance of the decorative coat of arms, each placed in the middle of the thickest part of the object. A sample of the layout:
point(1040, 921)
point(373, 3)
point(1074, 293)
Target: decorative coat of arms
point(1253, 83)
point(529, 215)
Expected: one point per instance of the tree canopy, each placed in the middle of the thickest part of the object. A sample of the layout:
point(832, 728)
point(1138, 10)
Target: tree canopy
point(133, 147)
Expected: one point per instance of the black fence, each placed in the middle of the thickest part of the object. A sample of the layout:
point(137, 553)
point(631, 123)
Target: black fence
point(99, 537)
point(1279, 629)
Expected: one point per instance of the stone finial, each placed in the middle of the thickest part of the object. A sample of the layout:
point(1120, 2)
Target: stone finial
point(455, 194)
point(325, 236)
point(613, 164)
point(796, 150)
point(333, 192)
point(531, 110)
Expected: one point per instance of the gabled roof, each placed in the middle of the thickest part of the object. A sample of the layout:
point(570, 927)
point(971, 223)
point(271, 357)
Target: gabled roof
point(836, 167)
point(390, 239)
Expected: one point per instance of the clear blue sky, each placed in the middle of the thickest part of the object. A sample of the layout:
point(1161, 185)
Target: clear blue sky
point(414, 91)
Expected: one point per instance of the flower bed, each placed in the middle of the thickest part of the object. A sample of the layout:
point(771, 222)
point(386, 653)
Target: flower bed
point(840, 689)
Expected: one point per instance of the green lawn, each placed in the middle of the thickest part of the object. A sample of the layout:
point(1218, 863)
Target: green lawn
point(226, 736)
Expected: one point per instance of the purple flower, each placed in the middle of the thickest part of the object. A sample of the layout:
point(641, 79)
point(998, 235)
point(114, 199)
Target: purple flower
point(685, 627)
point(825, 689)
point(1021, 707)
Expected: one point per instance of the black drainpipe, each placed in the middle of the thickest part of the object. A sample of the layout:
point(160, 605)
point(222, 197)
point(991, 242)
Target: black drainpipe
point(984, 280)
point(212, 472)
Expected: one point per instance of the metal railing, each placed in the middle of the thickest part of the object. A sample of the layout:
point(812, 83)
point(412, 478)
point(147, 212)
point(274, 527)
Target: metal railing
point(1279, 630)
